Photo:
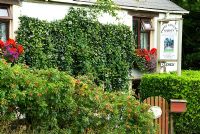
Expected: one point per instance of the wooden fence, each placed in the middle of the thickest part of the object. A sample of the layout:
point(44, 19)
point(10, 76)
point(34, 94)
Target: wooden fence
point(163, 121)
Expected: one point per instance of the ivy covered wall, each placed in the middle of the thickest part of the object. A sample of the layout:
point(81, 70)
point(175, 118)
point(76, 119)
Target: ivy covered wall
point(79, 45)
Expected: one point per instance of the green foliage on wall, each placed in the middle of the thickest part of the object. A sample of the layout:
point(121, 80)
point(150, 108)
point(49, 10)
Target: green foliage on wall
point(54, 102)
point(171, 86)
point(79, 45)
point(105, 6)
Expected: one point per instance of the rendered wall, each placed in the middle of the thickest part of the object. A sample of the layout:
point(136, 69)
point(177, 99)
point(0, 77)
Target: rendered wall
point(56, 11)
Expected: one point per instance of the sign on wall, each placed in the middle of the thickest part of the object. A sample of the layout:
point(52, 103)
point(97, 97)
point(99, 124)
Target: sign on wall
point(169, 40)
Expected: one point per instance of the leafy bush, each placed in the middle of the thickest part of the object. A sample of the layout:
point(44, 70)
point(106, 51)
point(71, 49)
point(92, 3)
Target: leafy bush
point(171, 86)
point(54, 102)
point(80, 45)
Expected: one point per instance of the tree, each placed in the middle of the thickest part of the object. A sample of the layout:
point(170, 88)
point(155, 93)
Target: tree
point(191, 33)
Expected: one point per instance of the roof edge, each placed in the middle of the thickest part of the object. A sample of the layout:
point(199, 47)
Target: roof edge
point(77, 2)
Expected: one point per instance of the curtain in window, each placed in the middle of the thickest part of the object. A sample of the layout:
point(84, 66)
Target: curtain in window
point(3, 31)
point(144, 40)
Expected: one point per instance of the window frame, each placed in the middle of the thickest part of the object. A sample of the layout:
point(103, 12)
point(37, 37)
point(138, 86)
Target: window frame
point(6, 19)
point(9, 17)
point(140, 21)
point(7, 27)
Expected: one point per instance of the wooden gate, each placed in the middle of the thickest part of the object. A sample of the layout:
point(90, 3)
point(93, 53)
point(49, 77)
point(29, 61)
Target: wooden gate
point(163, 121)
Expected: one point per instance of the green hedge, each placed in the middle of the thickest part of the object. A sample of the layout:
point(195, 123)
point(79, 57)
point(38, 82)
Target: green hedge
point(54, 102)
point(171, 86)
point(80, 45)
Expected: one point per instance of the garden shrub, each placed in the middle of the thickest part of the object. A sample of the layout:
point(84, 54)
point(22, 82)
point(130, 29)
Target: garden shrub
point(54, 102)
point(79, 45)
point(171, 86)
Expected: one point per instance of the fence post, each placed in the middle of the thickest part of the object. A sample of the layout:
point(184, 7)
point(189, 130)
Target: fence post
point(171, 124)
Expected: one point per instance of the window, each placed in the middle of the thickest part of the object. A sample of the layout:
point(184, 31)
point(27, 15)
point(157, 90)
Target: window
point(4, 12)
point(5, 17)
point(141, 30)
point(3, 31)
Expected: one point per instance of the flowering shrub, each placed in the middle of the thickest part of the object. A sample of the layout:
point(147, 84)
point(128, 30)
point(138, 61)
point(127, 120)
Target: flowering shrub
point(11, 50)
point(150, 58)
point(51, 100)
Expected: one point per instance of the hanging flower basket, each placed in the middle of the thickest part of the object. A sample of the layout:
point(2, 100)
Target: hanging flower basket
point(10, 50)
point(150, 58)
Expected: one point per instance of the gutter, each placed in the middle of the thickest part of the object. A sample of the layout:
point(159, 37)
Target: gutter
point(82, 3)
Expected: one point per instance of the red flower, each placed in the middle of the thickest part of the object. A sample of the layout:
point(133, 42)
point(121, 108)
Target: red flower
point(20, 49)
point(1, 44)
point(142, 52)
point(138, 52)
point(147, 58)
point(12, 50)
point(11, 42)
point(145, 52)
point(153, 51)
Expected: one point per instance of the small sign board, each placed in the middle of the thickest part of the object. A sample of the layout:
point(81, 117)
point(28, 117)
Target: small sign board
point(162, 64)
point(169, 41)
point(156, 110)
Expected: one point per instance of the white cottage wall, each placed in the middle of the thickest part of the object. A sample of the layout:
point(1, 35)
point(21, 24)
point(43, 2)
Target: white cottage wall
point(56, 11)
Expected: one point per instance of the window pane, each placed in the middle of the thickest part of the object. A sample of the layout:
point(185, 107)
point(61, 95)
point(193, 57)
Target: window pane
point(144, 40)
point(3, 12)
point(3, 31)
point(135, 30)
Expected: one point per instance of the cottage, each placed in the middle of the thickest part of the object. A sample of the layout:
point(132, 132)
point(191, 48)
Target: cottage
point(155, 23)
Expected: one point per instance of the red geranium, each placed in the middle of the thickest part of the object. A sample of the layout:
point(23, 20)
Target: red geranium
point(11, 50)
point(153, 51)
point(11, 42)
point(150, 58)
point(145, 51)
point(20, 49)
point(141, 52)
point(1, 44)
point(147, 58)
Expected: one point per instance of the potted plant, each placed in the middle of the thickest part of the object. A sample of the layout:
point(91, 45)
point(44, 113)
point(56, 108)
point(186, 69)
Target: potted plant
point(11, 50)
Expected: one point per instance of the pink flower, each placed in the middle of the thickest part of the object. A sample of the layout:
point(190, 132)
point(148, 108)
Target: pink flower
point(12, 50)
